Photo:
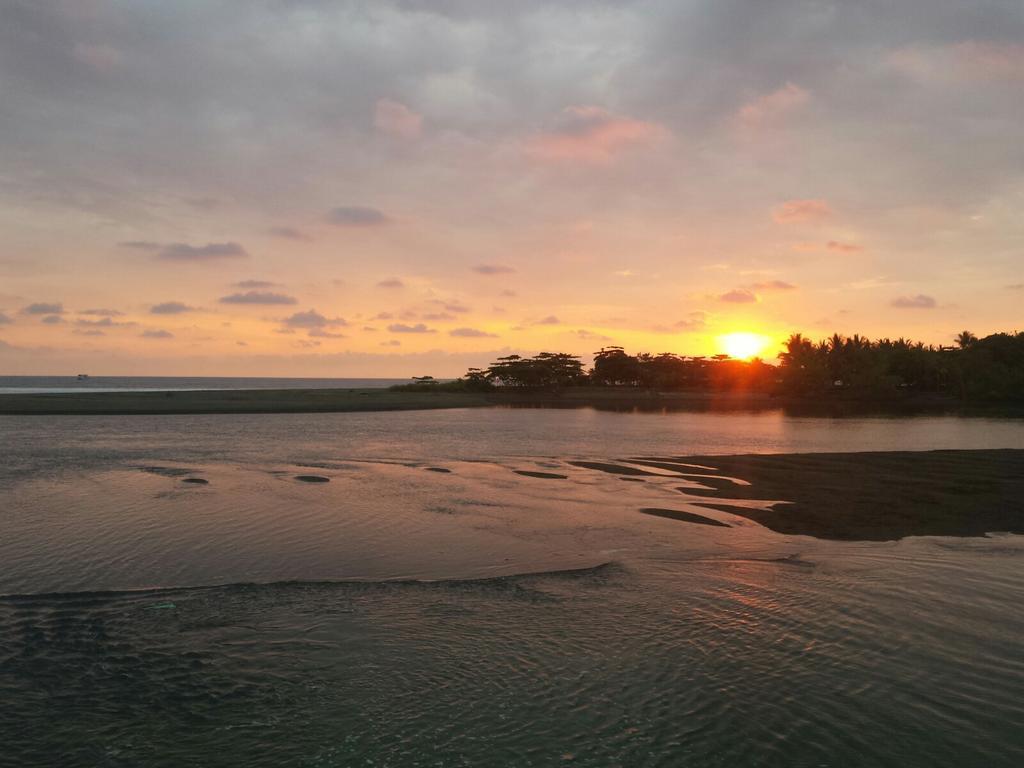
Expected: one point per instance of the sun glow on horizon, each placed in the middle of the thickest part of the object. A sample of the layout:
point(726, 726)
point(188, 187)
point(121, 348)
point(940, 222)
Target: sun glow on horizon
point(743, 345)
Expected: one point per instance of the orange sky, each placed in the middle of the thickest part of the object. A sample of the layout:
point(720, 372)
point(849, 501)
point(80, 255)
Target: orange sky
point(303, 190)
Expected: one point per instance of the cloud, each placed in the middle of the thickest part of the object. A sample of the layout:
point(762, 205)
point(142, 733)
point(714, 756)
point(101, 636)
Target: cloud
point(140, 245)
point(508, 293)
point(170, 308)
point(587, 134)
point(961, 63)
point(914, 302)
point(383, 316)
point(695, 321)
point(403, 328)
point(793, 211)
point(586, 335)
point(289, 233)
point(53, 320)
point(439, 317)
point(457, 308)
point(356, 216)
point(102, 59)
point(738, 296)
point(258, 297)
point(396, 119)
point(101, 312)
point(391, 343)
point(549, 320)
point(472, 333)
point(43, 308)
point(493, 269)
point(770, 108)
point(835, 245)
point(392, 282)
point(4, 319)
point(1015, 287)
point(88, 332)
point(773, 285)
point(313, 319)
point(320, 333)
point(208, 252)
point(156, 334)
point(105, 322)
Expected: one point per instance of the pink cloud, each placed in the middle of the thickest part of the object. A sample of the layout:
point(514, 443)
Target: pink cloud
point(966, 60)
point(835, 245)
point(99, 58)
point(793, 211)
point(397, 120)
point(592, 135)
point(771, 107)
point(738, 296)
point(992, 60)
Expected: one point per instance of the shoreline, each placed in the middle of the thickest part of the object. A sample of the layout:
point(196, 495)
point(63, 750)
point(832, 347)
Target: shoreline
point(257, 401)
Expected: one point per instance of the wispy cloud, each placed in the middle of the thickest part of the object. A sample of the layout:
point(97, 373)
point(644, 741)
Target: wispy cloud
point(920, 301)
point(356, 216)
point(586, 335)
point(101, 312)
point(392, 282)
point(170, 308)
point(770, 108)
point(43, 308)
point(289, 233)
point(156, 333)
point(773, 285)
point(588, 134)
point(738, 296)
point(403, 328)
point(197, 253)
point(493, 269)
point(313, 319)
point(258, 297)
point(472, 333)
point(549, 320)
point(104, 322)
point(835, 245)
point(396, 119)
point(794, 211)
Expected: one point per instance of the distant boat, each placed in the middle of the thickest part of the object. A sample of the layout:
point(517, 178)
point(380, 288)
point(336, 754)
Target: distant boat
point(83, 376)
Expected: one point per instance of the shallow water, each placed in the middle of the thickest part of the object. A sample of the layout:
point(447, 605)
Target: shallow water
point(398, 616)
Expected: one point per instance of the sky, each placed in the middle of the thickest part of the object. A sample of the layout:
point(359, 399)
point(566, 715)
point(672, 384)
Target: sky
point(313, 188)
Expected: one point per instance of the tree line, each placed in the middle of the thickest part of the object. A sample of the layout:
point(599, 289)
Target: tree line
point(985, 369)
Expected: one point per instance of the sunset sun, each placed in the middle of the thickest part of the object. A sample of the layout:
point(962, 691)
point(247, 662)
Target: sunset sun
point(742, 346)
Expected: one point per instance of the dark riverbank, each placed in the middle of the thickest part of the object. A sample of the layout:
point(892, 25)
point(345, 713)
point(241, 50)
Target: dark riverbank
point(376, 399)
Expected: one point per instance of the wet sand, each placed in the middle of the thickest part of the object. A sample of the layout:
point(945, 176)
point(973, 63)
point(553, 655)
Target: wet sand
point(877, 496)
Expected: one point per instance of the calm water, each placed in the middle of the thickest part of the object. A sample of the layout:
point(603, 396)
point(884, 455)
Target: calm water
point(177, 383)
point(399, 616)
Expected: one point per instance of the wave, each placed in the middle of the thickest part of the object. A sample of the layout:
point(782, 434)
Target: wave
point(606, 568)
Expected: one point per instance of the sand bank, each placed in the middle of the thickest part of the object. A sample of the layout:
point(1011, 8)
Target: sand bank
point(874, 496)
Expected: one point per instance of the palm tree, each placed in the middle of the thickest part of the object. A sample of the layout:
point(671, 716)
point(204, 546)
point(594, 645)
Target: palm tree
point(964, 339)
